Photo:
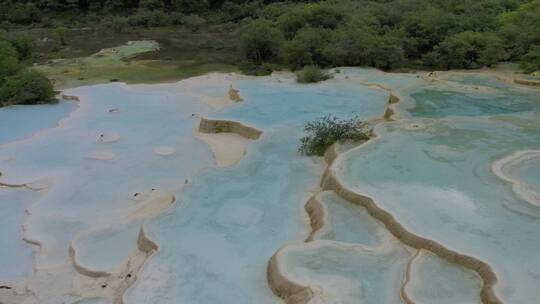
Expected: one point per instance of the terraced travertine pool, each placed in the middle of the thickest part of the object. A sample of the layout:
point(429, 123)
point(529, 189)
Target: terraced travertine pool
point(117, 198)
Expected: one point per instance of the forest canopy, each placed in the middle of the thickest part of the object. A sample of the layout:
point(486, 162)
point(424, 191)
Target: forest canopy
point(387, 34)
point(19, 85)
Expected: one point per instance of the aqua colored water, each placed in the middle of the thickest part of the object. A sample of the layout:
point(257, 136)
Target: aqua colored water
point(434, 280)
point(439, 104)
point(15, 254)
point(437, 181)
point(270, 103)
point(348, 223)
point(431, 169)
point(527, 172)
point(18, 122)
point(352, 258)
point(236, 218)
point(347, 273)
point(107, 249)
point(86, 194)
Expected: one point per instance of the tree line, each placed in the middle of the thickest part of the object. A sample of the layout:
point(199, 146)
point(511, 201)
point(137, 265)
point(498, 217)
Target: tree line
point(18, 84)
point(395, 34)
point(387, 34)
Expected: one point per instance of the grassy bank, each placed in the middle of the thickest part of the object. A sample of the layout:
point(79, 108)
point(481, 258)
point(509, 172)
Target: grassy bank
point(95, 56)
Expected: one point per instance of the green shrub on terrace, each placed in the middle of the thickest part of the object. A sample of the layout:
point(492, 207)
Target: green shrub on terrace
point(26, 87)
point(327, 130)
point(311, 74)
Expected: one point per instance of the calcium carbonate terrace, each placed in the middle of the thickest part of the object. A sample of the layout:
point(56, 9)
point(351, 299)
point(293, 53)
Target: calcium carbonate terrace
point(126, 197)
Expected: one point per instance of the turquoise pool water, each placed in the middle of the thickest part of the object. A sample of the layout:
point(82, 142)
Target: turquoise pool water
point(18, 122)
point(236, 218)
point(431, 169)
point(437, 179)
point(16, 255)
point(87, 194)
point(434, 280)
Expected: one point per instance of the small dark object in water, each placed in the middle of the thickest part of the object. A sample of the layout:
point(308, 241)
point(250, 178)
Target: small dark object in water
point(185, 183)
point(129, 275)
point(5, 287)
point(153, 189)
point(136, 194)
point(113, 110)
point(114, 80)
point(104, 285)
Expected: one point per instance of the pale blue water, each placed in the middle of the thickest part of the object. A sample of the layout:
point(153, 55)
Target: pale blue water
point(438, 104)
point(352, 259)
point(215, 242)
point(271, 103)
point(348, 223)
point(234, 219)
point(18, 122)
point(15, 254)
point(344, 273)
point(207, 239)
point(434, 280)
point(88, 194)
point(107, 249)
point(528, 172)
point(437, 181)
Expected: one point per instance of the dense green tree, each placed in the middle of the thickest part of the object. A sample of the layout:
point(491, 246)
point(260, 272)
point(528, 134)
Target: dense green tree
point(325, 15)
point(18, 86)
point(23, 46)
point(351, 46)
point(481, 15)
point(490, 50)
point(190, 6)
point(292, 21)
point(260, 41)
point(389, 53)
point(306, 48)
point(468, 50)
point(521, 29)
point(193, 22)
point(311, 74)
point(151, 4)
point(428, 28)
point(275, 10)
point(530, 62)
point(26, 87)
point(148, 18)
point(9, 62)
point(327, 130)
point(19, 12)
point(237, 11)
point(7, 49)
point(386, 34)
